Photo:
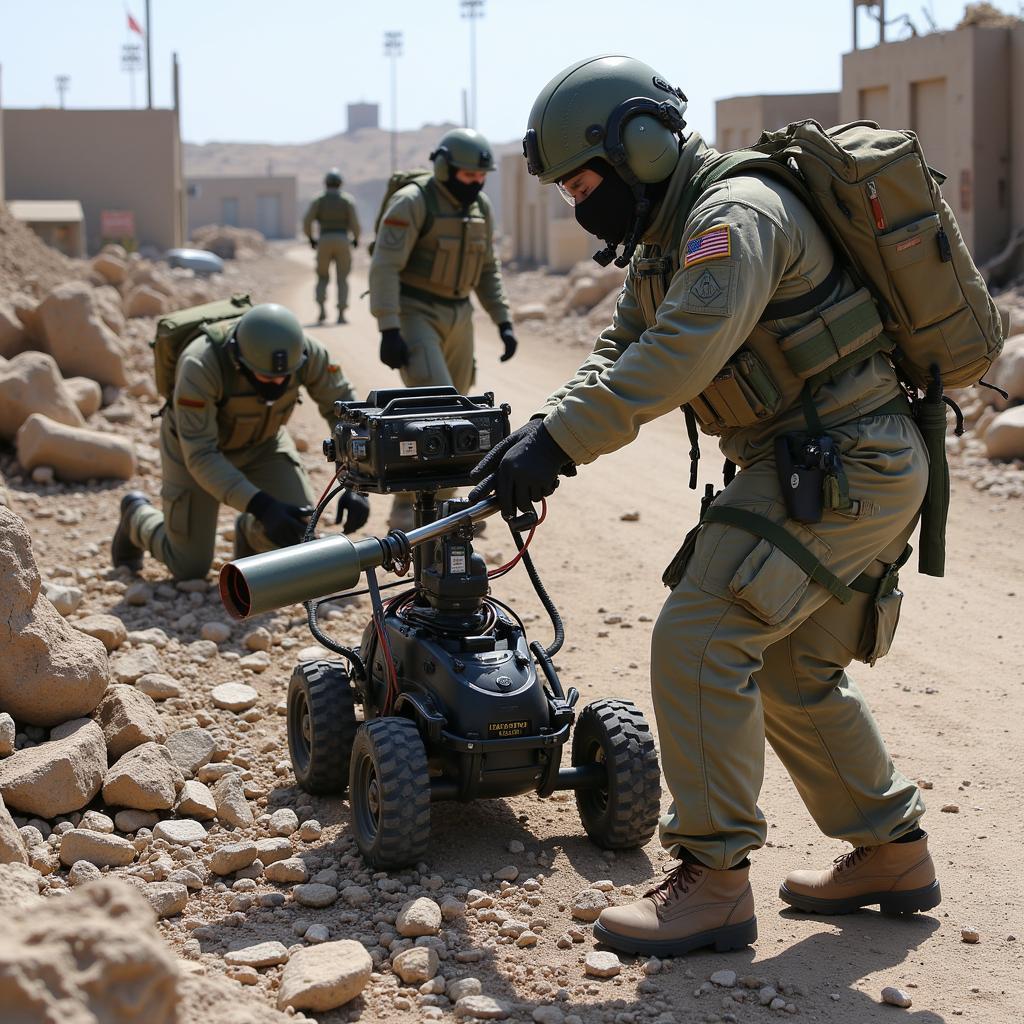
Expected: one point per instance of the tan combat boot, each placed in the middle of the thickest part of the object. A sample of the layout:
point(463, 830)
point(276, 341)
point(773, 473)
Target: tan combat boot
point(899, 877)
point(693, 907)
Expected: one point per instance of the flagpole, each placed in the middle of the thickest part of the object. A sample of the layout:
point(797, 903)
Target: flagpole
point(149, 64)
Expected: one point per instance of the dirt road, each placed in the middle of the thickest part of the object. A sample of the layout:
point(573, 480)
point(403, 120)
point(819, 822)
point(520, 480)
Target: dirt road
point(950, 700)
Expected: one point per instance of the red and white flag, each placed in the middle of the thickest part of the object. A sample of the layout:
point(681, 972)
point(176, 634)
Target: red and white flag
point(133, 25)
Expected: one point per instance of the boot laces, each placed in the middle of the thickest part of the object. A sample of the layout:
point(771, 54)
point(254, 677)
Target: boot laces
point(676, 883)
point(851, 859)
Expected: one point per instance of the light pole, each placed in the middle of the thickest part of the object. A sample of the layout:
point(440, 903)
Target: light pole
point(393, 50)
point(63, 84)
point(472, 9)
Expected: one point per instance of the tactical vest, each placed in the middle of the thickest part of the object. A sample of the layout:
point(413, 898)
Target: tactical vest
point(767, 374)
point(333, 212)
point(243, 417)
point(449, 256)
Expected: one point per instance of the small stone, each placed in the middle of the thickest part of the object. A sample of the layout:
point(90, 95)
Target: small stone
point(652, 966)
point(310, 831)
point(8, 734)
point(462, 987)
point(416, 965)
point(232, 857)
point(191, 749)
point(158, 686)
point(289, 871)
point(108, 629)
point(324, 976)
point(766, 994)
point(588, 905)
point(218, 632)
point(630, 517)
point(270, 850)
point(515, 846)
point(232, 806)
point(243, 975)
point(64, 598)
point(95, 821)
point(452, 909)
point(419, 917)
point(166, 898)
point(258, 662)
point(179, 833)
point(482, 1008)
point(896, 997)
point(131, 820)
point(724, 979)
point(778, 1003)
point(82, 871)
point(314, 894)
point(509, 873)
point(262, 954)
point(524, 940)
point(970, 935)
point(234, 697)
point(127, 666)
point(258, 639)
point(601, 964)
point(950, 809)
point(196, 801)
point(283, 822)
point(548, 1015)
point(317, 933)
point(95, 847)
point(138, 593)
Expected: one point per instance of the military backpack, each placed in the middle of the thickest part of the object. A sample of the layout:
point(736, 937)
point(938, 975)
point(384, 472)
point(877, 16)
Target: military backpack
point(176, 330)
point(400, 179)
point(874, 194)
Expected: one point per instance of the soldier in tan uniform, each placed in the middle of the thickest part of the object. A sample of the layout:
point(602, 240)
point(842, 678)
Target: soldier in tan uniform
point(731, 289)
point(335, 213)
point(434, 248)
point(223, 441)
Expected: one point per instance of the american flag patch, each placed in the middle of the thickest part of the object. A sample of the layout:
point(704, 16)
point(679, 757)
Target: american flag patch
point(713, 244)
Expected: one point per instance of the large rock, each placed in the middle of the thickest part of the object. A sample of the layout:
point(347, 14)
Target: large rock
point(421, 916)
point(86, 394)
point(75, 453)
point(13, 337)
point(57, 777)
point(1004, 438)
point(31, 383)
point(12, 845)
point(92, 956)
point(77, 337)
point(232, 806)
point(190, 749)
point(196, 801)
point(105, 851)
point(19, 887)
point(145, 300)
point(145, 779)
point(110, 307)
point(324, 977)
point(111, 267)
point(49, 672)
point(128, 719)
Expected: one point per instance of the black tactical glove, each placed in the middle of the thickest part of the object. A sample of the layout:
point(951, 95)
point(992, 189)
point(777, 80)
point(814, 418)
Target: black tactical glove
point(521, 469)
point(393, 350)
point(358, 507)
point(312, 243)
point(284, 524)
point(509, 339)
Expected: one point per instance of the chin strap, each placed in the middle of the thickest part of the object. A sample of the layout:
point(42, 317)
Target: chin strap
point(641, 211)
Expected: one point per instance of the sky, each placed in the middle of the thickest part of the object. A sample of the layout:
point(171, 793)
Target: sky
point(283, 70)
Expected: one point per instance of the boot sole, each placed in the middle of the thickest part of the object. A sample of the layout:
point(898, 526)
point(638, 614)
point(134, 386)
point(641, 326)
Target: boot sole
point(723, 939)
point(134, 562)
point(908, 901)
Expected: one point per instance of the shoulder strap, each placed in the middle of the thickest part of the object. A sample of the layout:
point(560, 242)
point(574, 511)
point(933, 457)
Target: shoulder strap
point(429, 191)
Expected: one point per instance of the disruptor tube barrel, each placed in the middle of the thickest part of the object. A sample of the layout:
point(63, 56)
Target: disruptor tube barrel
point(304, 572)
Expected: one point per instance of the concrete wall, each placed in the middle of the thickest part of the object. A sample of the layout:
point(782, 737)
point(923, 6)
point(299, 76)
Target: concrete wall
point(107, 159)
point(537, 222)
point(954, 89)
point(267, 204)
point(739, 120)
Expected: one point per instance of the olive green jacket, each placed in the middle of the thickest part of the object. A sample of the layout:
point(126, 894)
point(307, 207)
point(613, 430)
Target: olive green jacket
point(653, 359)
point(400, 228)
point(334, 211)
point(215, 412)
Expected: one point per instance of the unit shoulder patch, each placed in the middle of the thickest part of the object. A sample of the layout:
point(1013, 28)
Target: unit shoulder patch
point(191, 403)
point(713, 244)
point(709, 290)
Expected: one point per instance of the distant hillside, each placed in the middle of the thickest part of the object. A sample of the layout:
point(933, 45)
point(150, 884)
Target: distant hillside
point(364, 158)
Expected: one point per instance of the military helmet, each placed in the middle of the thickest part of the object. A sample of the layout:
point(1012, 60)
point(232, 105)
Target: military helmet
point(332, 179)
point(465, 149)
point(613, 107)
point(269, 340)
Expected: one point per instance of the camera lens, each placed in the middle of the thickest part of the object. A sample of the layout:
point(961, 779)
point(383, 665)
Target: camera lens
point(465, 439)
point(431, 445)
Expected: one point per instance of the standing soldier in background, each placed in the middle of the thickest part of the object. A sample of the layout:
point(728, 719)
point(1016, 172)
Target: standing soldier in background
point(335, 212)
point(435, 245)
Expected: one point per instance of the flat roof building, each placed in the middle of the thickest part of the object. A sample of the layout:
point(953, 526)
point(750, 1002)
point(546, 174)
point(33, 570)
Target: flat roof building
point(739, 120)
point(267, 204)
point(60, 223)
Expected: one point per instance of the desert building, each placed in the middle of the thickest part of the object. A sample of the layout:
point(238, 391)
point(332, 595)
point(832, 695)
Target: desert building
point(60, 223)
point(739, 120)
point(124, 162)
point(362, 115)
point(268, 204)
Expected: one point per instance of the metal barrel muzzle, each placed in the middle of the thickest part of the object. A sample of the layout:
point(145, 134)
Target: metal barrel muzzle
point(303, 572)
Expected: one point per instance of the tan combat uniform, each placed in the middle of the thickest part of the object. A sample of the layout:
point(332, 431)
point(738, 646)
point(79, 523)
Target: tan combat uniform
point(747, 645)
point(335, 212)
point(428, 257)
point(220, 442)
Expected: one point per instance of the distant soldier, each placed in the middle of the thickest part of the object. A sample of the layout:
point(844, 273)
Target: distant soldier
point(223, 440)
point(434, 246)
point(335, 212)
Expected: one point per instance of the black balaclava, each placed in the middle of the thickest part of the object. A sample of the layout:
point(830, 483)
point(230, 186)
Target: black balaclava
point(270, 393)
point(608, 211)
point(464, 192)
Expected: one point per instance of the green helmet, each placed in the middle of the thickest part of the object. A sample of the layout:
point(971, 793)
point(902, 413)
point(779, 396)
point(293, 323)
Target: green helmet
point(463, 148)
point(332, 179)
point(612, 107)
point(269, 340)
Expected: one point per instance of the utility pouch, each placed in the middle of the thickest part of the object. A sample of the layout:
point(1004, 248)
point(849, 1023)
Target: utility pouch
point(742, 394)
point(883, 614)
point(802, 481)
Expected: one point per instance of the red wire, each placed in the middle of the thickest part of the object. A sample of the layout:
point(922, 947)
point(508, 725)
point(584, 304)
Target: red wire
point(330, 484)
point(529, 537)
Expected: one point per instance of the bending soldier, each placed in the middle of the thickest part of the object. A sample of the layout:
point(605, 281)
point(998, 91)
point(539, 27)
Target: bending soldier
point(335, 213)
point(223, 440)
point(751, 643)
point(434, 247)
